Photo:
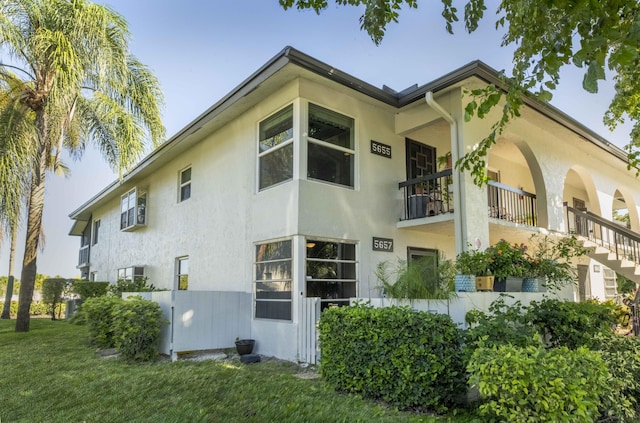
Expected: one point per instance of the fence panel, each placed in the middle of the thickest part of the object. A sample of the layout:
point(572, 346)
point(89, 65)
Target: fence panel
point(308, 330)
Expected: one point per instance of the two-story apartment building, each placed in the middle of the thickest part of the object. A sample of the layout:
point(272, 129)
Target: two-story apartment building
point(303, 178)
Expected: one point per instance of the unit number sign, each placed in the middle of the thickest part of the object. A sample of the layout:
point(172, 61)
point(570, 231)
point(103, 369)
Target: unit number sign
point(381, 149)
point(383, 244)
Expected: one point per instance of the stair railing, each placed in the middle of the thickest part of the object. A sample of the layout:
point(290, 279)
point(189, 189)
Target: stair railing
point(623, 242)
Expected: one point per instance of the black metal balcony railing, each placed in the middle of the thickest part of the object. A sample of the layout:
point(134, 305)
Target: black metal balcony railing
point(83, 256)
point(512, 204)
point(428, 195)
point(619, 240)
point(432, 195)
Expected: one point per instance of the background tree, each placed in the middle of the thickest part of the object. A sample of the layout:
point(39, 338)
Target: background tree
point(70, 81)
point(548, 35)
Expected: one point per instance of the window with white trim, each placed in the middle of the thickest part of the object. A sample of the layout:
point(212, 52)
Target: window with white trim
point(275, 148)
point(185, 185)
point(273, 266)
point(182, 273)
point(95, 232)
point(330, 147)
point(331, 271)
point(131, 274)
point(133, 206)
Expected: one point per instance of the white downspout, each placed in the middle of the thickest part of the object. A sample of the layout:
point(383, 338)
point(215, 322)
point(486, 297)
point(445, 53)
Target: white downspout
point(456, 152)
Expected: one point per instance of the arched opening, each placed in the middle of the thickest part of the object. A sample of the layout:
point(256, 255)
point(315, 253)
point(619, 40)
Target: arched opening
point(516, 189)
point(624, 210)
point(580, 191)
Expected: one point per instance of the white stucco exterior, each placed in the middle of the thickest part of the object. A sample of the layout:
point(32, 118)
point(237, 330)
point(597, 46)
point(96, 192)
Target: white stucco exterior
point(219, 226)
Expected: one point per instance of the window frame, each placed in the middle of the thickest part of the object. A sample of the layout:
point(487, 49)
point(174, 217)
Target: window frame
point(135, 271)
point(138, 217)
point(289, 142)
point(182, 184)
point(352, 151)
point(95, 231)
point(179, 273)
point(310, 243)
point(289, 280)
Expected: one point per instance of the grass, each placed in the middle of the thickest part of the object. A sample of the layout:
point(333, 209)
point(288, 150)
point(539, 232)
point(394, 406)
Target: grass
point(51, 374)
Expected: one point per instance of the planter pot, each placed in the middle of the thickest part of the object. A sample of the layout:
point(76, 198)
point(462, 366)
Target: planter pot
point(245, 346)
point(484, 283)
point(500, 285)
point(418, 206)
point(465, 283)
point(530, 285)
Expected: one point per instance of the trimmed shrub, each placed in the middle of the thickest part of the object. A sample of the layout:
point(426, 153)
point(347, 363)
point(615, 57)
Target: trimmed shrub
point(35, 309)
point(88, 289)
point(504, 324)
point(570, 324)
point(98, 313)
point(53, 290)
point(137, 326)
point(534, 384)
point(404, 357)
point(622, 357)
point(138, 284)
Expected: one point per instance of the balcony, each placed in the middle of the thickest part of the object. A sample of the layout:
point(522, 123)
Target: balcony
point(511, 204)
point(83, 257)
point(430, 197)
point(427, 196)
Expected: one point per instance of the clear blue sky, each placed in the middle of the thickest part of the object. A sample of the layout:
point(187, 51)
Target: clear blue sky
point(200, 50)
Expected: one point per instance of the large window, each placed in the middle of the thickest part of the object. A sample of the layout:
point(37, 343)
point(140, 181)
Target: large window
point(275, 148)
point(330, 146)
point(273, 280)
point(185, 185)
point(331, 271)
point(182, 274)
point(133, 207)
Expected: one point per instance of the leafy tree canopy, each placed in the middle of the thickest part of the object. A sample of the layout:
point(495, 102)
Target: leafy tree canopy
point(591, 34)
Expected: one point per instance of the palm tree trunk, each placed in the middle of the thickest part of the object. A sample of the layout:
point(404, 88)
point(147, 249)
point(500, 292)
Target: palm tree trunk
point(6, 309)
point(35, 206)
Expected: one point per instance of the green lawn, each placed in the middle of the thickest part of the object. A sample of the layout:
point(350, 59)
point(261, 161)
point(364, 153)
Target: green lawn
point(51, 375)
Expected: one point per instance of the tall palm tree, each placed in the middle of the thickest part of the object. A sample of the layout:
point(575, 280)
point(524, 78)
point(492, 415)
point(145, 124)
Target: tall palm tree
point(73, 82)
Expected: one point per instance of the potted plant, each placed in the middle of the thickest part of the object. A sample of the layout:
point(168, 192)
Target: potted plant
point(418, 279)
point(507, 260)
point(550, 262)
point(473, 265)
point(245, 346)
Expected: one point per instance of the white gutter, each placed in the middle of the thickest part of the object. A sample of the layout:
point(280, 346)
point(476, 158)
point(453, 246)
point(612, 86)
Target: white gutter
point(457, 150)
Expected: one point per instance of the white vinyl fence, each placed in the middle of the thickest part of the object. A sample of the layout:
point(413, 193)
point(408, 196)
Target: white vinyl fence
point(309, 314)
point(201, 320)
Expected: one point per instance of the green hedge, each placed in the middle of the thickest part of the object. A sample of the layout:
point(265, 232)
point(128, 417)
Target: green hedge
point(401, 356)
point(36, 309)
point(535, 384)
point(132, 326)
point(622, 357)
point(137, 326)
point(569, 324)
point(88, 289)
point(98, 314)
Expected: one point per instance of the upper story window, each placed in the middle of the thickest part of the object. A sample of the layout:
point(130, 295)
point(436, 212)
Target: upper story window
point(133, 207)
point(331, 150)
point(185, 185)
point(95, 232)
point(275, 148)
